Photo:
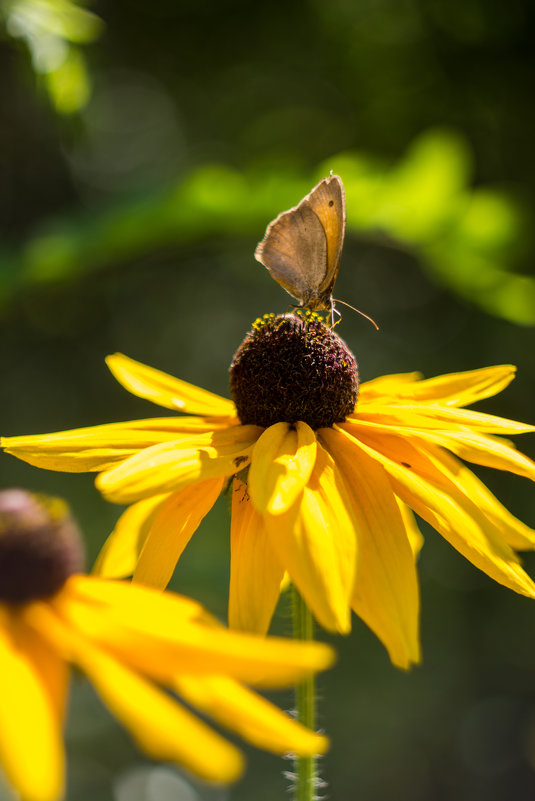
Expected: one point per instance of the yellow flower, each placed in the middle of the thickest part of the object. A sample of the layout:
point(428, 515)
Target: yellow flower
point(324, 484)
point(128, 639)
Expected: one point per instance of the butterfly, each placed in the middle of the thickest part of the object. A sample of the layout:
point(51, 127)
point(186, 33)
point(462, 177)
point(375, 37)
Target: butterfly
point(302, 246)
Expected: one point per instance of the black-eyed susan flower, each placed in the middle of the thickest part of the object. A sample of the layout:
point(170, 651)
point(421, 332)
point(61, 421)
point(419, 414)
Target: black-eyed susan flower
point(132, 642)
point(326, 476)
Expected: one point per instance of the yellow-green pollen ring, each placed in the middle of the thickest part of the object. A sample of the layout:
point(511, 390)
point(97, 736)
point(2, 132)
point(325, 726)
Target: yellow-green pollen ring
point(303, 314)
point(293, 367)
point(40, 546)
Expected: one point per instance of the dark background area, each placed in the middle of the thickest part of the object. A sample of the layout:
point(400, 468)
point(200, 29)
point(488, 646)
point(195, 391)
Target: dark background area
point(140, 161)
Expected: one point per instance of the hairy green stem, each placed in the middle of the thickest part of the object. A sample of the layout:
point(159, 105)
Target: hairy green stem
point(305, 701)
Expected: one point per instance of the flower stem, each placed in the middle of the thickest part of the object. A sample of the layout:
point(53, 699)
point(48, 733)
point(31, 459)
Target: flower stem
point(305, 701)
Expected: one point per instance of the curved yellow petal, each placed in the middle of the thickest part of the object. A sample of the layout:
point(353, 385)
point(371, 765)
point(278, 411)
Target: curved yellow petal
point(437, 417)
point(255, 571)
point(454, 389)
point(80, 450)
point(315, 542)
point(97, 448)
point(119, 554)
point(386, 594)
point(281, 464)
point(439, 500)
point(118, 598)
point(154, 635)
point(171, 530)
point(513, 531)
point(33, 688)
point(170, 466)
point(251, 716)
point(158, 723)
point(160, 726)
point(487, 450)
point(165, 390)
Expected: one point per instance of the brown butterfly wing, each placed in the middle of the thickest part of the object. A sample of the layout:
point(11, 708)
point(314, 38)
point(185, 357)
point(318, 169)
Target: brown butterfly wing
point(302, 247)
point(294, 250)
point(327, 200)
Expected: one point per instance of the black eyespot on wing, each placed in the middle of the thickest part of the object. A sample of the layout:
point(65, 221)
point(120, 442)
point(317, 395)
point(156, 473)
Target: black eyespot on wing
point(331, 202)
point(406, 464)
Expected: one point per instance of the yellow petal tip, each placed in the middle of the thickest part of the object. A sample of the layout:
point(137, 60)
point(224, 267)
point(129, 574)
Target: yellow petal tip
point(313, 744)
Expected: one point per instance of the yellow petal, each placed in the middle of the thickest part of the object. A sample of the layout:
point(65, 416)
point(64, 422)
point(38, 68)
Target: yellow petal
point(444, 504)
point(513, 531)
point(250, 715)
point(119, 554)
point(79, 450)
point(255, 571)
point(158, 723)
point(315, 542)
point(101, 447)
point(281, 464)
point(33, 687)
point(488, 451)
point(54, 670)
point(117, 597)
point(478, 448)
point(386, 385)
point(437, 417)
point(165, 390)
point(153, 634)
point(386, 594)
point(172, 529)
point(160, 726)
point(170, 466)
point(454, 389)
point(411, 527)
point(285, 582)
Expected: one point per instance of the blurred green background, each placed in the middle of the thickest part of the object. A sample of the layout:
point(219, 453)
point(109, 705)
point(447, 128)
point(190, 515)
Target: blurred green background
point(143, 149)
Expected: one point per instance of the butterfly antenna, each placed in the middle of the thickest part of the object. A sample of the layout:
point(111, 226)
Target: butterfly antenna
point(349, 306)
